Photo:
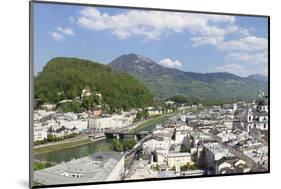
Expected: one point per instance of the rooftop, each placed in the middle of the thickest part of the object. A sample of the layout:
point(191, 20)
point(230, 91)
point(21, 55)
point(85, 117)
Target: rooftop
point(93, 168)
point(215, 148)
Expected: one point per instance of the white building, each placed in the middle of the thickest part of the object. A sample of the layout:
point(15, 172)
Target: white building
point(227, 136)
point(195, 138)
point(169, 102)
point(214, 152)
point(228, 124)
point(178, 159)
point(234, 107)
point(258, 117)
point(39, 132)
point(152, 145)
point(81, 124)
point(258, 120)
point(48, 107)
point(63, 132)
point(51, 124)
point(180, 137)
point(141, 170)
point(165, 133)
point(228, 165)
point(98, 167)
point(40, 114)
point(161, 155)
point(154, 112)
point(86, 93)
point(104, 123)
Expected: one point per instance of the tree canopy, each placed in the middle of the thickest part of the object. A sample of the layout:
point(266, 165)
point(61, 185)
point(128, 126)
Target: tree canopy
point(65, 78)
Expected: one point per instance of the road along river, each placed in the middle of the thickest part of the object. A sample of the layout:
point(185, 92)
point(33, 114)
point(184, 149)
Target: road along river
point(83, 150)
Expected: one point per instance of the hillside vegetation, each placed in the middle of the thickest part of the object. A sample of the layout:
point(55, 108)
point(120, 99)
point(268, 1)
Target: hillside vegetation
point(166, 82)
point(65, 78)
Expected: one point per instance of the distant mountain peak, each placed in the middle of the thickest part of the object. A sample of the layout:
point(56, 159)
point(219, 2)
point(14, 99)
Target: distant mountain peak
point(257, 74)
point(133, 56)
point(134, 63)
point(165, 82)
point(258, 77)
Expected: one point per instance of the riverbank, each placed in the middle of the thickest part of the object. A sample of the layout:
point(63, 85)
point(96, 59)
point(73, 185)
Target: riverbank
point(59, 146)
point(41, 165)
point(82, 140)
point(155, 120)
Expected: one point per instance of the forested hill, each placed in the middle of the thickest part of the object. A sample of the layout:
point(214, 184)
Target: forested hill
point(65, 78)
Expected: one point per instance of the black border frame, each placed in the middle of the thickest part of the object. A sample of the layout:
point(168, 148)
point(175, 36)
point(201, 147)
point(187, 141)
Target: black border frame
point(31, 86)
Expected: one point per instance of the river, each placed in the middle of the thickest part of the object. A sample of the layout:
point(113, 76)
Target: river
point(82, 150)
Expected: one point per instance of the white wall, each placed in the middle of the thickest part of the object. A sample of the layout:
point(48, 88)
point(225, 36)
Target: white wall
point(14, 78)
point(117, 171)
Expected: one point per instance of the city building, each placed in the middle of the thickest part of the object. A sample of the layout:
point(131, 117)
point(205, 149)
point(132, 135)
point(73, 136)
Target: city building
point(63, 132)
point(214, 152)
point(153, 144)
point(257, 116)
point(80, 124)
point(141, 169)
point(48, 106)
point(103, 123)
point(179, 159)
point(180, 137)
point(85, 93)
point(100, 166)
point(228, 165)
point(40, 133)
point(154, 112)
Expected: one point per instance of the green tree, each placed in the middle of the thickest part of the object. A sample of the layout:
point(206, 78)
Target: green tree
point(184, 149)
point(65, 78)
point(117, 146)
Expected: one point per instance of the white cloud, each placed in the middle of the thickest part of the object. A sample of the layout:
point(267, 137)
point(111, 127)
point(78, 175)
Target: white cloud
point(56, 36)
point(249, 49)
point(207, 40)
point(259, 58)
point(170, 63)
point(60, 33)
point(249, 43)
point(153, 24)
point(243, 71)
point(65, 31)
point(205, 30)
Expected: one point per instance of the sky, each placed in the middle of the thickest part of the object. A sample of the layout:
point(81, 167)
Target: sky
point(193, 42)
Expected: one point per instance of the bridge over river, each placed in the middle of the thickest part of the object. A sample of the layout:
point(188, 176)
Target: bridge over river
point(126, 134)
point(128, 131)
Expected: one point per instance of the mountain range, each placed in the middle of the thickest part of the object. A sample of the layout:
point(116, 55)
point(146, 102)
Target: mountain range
point(258, 77)
point(166, 82)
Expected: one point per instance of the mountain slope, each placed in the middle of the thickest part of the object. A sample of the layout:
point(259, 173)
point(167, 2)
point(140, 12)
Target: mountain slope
point(258, 77)
point(65, 78)
point(165, 82)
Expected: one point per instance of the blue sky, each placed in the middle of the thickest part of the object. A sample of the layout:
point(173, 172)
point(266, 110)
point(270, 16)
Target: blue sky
point(185, 41)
